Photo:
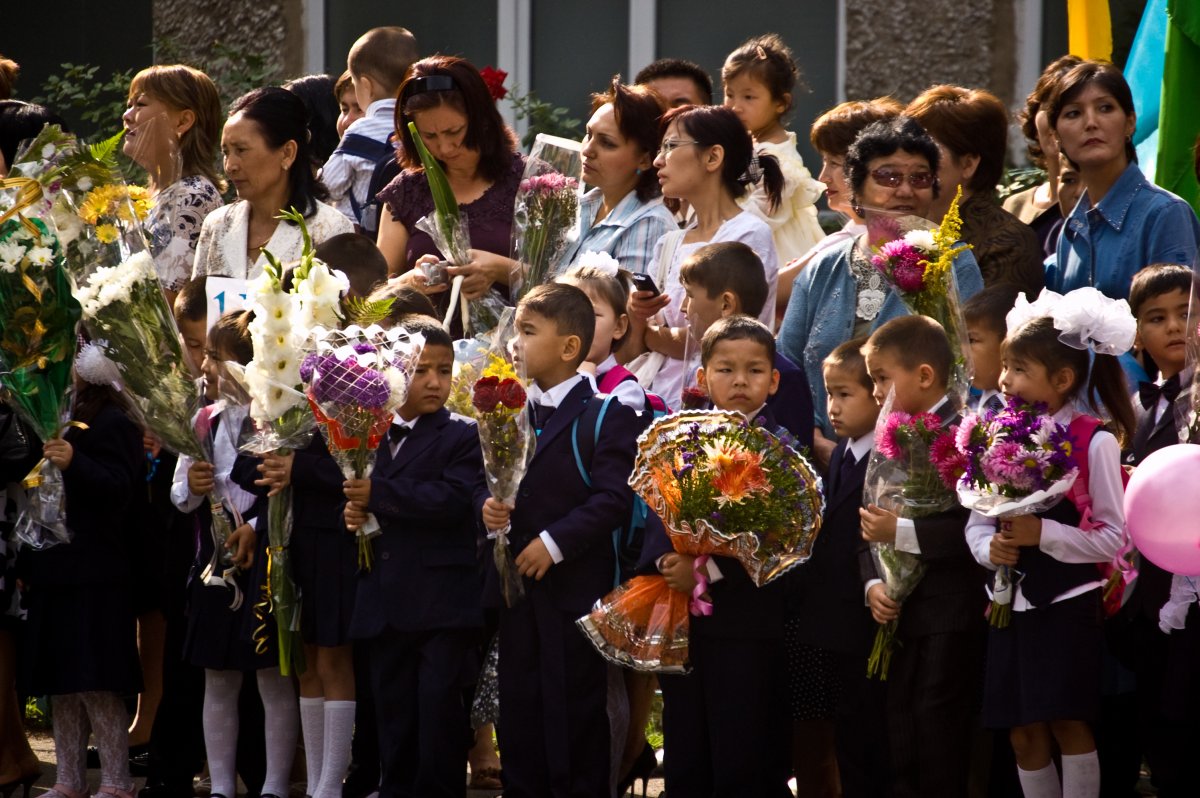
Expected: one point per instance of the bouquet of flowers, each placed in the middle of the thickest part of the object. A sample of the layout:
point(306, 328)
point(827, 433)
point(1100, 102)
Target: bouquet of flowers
point(912, 473)
point(546, 206)
point(283, 419)
point(1016, 461)
point(919, 263)
point(722, 486)
point(38, 314)
point(448, 229)
point(355, 380)
point(507, 440)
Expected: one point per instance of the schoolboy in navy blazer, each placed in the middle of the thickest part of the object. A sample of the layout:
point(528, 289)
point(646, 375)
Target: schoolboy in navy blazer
point(418, 608)
point(554, 728)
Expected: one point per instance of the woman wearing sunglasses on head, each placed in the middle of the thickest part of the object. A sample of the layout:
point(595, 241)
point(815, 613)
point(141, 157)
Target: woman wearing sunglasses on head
point(892, 168)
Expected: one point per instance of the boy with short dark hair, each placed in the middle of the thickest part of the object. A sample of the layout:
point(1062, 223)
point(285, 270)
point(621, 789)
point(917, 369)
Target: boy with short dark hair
point(418, 608)
point(1159, 296)
point(378, 63)
point(357, 257)
point(935, 671)
point(725, 279)
point(553, 684)
point(985, 314)
point(720, 739)
point(191, 316)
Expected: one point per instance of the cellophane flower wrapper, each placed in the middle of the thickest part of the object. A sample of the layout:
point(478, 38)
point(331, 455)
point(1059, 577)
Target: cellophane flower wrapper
point(355, 381)
point(1016, 461)
point(470, 357)
point(902, 478)
point(722, 486)
point(917, 258)
point(545, 210)
point(506, 438)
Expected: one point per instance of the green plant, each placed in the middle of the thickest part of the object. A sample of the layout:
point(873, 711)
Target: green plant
point(93, 104)
point(1014, 181)
point(37, 711)
point(543, 117)
point(235, 70)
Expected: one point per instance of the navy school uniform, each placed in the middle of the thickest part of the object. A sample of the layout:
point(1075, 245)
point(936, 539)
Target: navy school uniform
point(792, 405)
point(725, 723)
point(1168, 682)
point(828, 634)
point(324, 555)
point(81, 633)
point(553, 725)
point(934, 682)
point(418, 608)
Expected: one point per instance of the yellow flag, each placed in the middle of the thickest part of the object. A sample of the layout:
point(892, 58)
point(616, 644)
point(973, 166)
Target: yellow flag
point(1089, 29)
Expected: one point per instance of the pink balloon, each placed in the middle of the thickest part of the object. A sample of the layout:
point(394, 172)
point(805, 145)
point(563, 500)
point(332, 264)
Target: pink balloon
point(1162, 508)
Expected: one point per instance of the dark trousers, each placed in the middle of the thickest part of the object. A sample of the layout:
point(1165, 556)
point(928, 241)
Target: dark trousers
point(725, 724)
point(553, 729)
point(363, 777)
point(417, 679)
point(933, 695)
point(860, 731)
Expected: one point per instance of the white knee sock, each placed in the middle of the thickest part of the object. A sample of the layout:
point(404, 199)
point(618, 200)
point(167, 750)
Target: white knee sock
point(339, 733)
point(1081, 775)
point(283, 727)
point(70, 741)
point(1040, 783)
point(220, 717)
point(110, 725)
point(312, 724)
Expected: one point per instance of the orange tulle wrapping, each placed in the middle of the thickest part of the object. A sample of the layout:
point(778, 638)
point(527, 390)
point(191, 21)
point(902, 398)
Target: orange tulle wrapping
point(643, 625)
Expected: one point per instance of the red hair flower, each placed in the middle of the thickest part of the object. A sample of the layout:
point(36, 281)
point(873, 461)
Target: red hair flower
point(494, 78)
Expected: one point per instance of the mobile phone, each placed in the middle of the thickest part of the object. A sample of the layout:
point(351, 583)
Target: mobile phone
point(435, 273)
point(644, 282)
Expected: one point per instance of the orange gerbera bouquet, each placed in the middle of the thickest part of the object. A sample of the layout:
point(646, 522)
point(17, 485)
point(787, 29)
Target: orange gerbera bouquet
point(722, 486)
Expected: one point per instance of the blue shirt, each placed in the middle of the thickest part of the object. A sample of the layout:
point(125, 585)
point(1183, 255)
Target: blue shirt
point(628, 233)
point(1135, 224)
point(821, 314)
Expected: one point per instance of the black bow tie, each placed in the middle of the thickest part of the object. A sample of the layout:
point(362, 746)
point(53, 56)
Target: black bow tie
point(1149, 393)
point(398, 432)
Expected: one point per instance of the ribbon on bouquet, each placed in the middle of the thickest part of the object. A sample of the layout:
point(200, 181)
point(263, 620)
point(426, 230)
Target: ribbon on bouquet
point(29, 192)
point(262, 609)
point(219, 572)
point(457, 301)
point(699, 605)
point(34, 478)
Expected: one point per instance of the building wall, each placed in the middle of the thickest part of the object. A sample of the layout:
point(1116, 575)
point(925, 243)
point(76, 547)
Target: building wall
point(271, 28)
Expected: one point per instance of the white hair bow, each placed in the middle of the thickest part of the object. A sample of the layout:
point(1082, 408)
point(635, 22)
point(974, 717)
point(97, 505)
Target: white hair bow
point(1085, 319)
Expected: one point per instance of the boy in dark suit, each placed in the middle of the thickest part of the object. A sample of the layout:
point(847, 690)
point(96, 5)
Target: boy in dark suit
point(553, 727)
point(728, 279)
point(1167, 687)
point(418, 607)
point(827, 631)
point(724, 725)
point(935, 673)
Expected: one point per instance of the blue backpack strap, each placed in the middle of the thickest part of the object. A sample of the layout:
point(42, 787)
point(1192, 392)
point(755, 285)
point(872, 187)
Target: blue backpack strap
point(587, 477)
point(364, 147)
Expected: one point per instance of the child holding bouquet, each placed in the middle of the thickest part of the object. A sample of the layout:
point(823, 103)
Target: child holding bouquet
point(553, 683)
point(219, 638)
point(1043, 669)
point(725, 723)
point(935, 666)
point(81, 647)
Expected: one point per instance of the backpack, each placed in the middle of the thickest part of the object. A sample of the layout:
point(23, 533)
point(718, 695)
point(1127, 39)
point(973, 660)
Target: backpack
point(618, 374)
point(626, 539)
point(1118, 573)
point(380, 153)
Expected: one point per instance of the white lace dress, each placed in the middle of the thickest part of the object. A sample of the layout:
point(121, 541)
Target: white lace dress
point(174, 225)
point(793, 223)
point(221, 250)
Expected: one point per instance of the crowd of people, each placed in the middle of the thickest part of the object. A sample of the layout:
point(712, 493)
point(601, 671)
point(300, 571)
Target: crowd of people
point(419, 679)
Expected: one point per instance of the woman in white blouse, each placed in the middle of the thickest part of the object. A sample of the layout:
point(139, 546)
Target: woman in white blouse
point(266, 157)
point(172, 126)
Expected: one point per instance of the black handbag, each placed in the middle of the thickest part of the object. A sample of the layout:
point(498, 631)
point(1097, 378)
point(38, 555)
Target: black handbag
point(15, 442)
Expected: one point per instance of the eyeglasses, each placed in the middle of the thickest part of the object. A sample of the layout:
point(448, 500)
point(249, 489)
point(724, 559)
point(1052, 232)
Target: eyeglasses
point(890, 179)
point(667, 147)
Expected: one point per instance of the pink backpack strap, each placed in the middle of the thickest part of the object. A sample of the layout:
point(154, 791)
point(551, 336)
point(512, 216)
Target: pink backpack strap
point(614, 377)
point(1081, 429)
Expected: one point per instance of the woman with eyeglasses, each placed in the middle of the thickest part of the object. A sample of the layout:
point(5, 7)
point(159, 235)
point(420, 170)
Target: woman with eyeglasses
point(456, 117)
point(892, 168)
point(705, 159)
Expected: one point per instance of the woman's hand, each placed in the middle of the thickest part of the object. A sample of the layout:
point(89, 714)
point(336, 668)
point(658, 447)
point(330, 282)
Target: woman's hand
point(58, 452)
point(644, 305)
point(485, 269)
point(415, 277)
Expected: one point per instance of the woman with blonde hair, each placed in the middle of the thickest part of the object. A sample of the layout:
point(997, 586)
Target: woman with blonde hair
point(172, 130)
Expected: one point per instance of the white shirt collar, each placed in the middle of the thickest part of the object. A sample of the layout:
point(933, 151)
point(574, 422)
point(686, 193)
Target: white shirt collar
point(554, 396)
point(861, 446)
point(400, 422)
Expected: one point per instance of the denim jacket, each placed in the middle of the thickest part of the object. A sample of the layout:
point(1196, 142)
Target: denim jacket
point(1135, 224)
point(821, 314)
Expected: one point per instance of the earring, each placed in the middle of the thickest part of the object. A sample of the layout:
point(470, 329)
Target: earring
point(638, 171)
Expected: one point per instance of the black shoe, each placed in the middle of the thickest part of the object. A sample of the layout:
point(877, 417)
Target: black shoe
point(93, 757)
point(139, 760)
point(26, 784)
point(641, 770)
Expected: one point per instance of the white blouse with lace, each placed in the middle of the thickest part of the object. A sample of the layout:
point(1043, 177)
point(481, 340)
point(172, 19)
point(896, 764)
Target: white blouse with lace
point(221, 250)
point(174, 225)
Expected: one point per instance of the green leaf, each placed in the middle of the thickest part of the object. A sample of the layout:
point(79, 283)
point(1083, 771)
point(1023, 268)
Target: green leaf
point(365, 312)
point(105, 151)
point(439, 186)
